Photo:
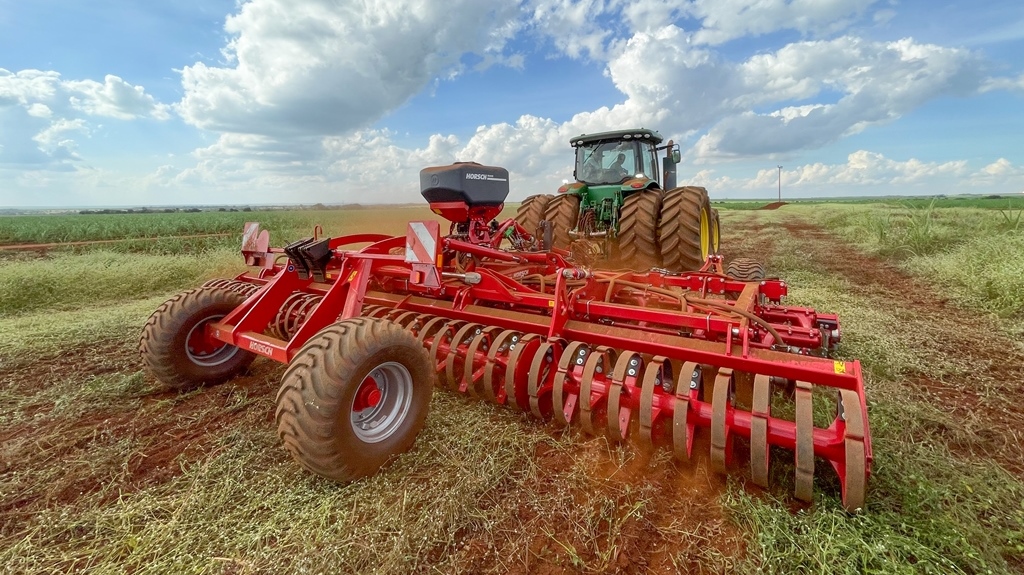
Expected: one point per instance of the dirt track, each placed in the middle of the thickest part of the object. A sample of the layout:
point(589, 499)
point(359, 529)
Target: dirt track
point(44, 247)
point(170, 430)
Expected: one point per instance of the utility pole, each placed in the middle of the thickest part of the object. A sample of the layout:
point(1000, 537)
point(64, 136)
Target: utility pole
point(780, 183)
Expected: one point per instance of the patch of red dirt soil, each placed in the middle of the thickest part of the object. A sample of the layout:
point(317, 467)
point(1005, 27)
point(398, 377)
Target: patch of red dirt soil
point(674, 498)
point(100, 358)
point(773, 206)
point(162, 428)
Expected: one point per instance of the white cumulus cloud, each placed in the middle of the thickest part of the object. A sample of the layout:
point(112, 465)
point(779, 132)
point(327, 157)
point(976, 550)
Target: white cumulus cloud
point(573, 26)
point(871, 83)
point(114, 98)
point(863, 173)
point(725, 20)
point(303, 68)
point(42, 114)
point(1016, 84)
point(1000, 167)
point(26, 87)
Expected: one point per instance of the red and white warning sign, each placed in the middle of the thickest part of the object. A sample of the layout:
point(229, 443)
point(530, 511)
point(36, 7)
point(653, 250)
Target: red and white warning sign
point(421, 251)
point(256, 246)
point(421, 242)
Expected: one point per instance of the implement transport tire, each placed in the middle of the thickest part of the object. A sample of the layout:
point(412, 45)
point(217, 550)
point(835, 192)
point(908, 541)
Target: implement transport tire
point(531, 212)
point(356, 395)
point(685, 229)
point(638, 230)
point(174, 345)
point(746, 270)
point(563, 212)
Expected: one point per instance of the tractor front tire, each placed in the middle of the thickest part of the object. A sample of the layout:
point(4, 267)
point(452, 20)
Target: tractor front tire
point(531, 212)
point(355, 395)
point(638, 230)
point(685, 230)
point(563, 212)
point(746, 270)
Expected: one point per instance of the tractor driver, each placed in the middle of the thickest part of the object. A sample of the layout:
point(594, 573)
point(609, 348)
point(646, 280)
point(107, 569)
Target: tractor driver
point(617, 166)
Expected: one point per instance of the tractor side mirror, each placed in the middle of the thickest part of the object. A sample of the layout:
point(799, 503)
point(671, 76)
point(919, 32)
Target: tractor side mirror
point(676, 156)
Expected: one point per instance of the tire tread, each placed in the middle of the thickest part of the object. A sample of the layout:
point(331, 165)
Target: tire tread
point(312, 402)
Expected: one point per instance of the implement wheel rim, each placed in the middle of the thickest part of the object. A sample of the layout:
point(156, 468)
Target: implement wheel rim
point(705, 234)
point(715, 234)
point(202, 350)
point(376, 420)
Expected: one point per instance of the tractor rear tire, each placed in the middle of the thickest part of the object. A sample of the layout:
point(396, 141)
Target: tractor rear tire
point(716, 232)
point(563, 212)
point(174, 347)
point(684, 231)
point(356, 395)
point(746, 270)
point(531, 212)
point(638, 230)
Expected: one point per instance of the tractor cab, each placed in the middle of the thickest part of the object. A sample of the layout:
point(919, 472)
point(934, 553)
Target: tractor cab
point(611, 158)
point(611, 168)
point(624, 157)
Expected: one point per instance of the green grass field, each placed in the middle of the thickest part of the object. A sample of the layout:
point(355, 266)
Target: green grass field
point(89, 227)
point(1012, 204)
point(103, 472)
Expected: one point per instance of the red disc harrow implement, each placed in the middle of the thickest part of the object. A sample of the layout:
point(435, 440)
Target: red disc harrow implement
point(368, 323)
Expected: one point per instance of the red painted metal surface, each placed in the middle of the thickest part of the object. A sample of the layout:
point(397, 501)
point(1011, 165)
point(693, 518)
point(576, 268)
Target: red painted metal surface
point(658, 354)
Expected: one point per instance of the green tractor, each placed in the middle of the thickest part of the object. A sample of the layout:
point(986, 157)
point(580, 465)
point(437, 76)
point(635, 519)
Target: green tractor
point(620, 209)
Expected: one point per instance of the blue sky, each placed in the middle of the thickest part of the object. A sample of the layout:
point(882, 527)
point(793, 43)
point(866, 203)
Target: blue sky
point(119, 102)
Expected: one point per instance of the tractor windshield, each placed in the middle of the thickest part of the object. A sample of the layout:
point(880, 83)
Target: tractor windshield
point(606, 162)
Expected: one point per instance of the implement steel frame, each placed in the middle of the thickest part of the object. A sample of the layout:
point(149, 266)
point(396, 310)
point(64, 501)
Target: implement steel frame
point(693, 319)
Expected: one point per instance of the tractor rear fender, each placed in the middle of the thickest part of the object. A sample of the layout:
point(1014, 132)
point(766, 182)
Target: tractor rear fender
point(637, 184)
point(577, 188)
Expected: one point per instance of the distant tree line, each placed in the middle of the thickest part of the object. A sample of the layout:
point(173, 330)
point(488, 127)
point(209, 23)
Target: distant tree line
point(163, 210)
point(233, 209)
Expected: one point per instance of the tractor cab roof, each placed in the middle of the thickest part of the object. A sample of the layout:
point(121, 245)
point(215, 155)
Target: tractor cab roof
point(617, 135)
